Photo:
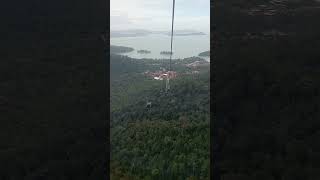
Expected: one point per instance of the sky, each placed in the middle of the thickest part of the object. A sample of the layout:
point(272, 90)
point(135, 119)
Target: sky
point(156, 15)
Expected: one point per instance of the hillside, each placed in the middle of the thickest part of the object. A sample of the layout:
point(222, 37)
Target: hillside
point(168, 140)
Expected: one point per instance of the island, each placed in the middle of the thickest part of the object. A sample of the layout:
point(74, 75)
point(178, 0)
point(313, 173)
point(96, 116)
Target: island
point(205, 54)
point(189, 34)
point(141, 32)
point(129, 33)
point(193, 59)
point(166, 53)
point(120, 49)
point(185, 33)
point(144, 51)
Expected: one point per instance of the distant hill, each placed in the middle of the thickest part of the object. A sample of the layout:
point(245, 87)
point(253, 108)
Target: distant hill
point(129, 33)
point(205, 54)
point(186, 33)
point(189, 34)
point(120, 49)
point(135, 33)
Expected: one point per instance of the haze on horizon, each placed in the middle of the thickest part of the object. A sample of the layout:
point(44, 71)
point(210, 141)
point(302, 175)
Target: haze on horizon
point(155, 15)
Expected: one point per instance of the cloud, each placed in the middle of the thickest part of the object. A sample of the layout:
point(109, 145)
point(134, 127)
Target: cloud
point(119, 20)
point(156, 14)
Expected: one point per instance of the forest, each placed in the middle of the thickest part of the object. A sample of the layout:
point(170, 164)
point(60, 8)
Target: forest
point(170, 139)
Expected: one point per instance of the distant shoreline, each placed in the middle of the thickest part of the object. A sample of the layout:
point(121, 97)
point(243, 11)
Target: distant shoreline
point(119, 34)
point(183, 46)
point(123, 50)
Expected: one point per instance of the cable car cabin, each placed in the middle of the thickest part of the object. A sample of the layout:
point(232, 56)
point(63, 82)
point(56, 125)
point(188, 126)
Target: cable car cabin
point(148, 105)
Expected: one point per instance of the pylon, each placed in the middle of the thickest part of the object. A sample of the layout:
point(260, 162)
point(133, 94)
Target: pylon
point(167, 83)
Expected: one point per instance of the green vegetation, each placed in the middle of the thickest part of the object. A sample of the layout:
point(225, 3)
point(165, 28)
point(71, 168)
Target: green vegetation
point(120, 49)
point(170, 140)
point(175, 150)
point(127, 80)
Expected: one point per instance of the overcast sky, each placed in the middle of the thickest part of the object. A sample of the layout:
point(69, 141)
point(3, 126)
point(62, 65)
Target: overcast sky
point(156, 15)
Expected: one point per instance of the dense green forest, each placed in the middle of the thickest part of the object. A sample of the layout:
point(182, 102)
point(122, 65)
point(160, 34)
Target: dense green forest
point(170, 139)
point(267, 92)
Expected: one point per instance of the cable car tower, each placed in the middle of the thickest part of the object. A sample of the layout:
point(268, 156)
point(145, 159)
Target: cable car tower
point(169, 72)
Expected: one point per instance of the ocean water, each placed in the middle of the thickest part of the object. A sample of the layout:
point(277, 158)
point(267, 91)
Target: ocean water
point(183, 46)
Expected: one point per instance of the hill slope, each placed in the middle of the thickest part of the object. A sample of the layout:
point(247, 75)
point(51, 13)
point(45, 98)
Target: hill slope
point(169, 140)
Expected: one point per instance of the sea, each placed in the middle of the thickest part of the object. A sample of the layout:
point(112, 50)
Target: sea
point(183, 46)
